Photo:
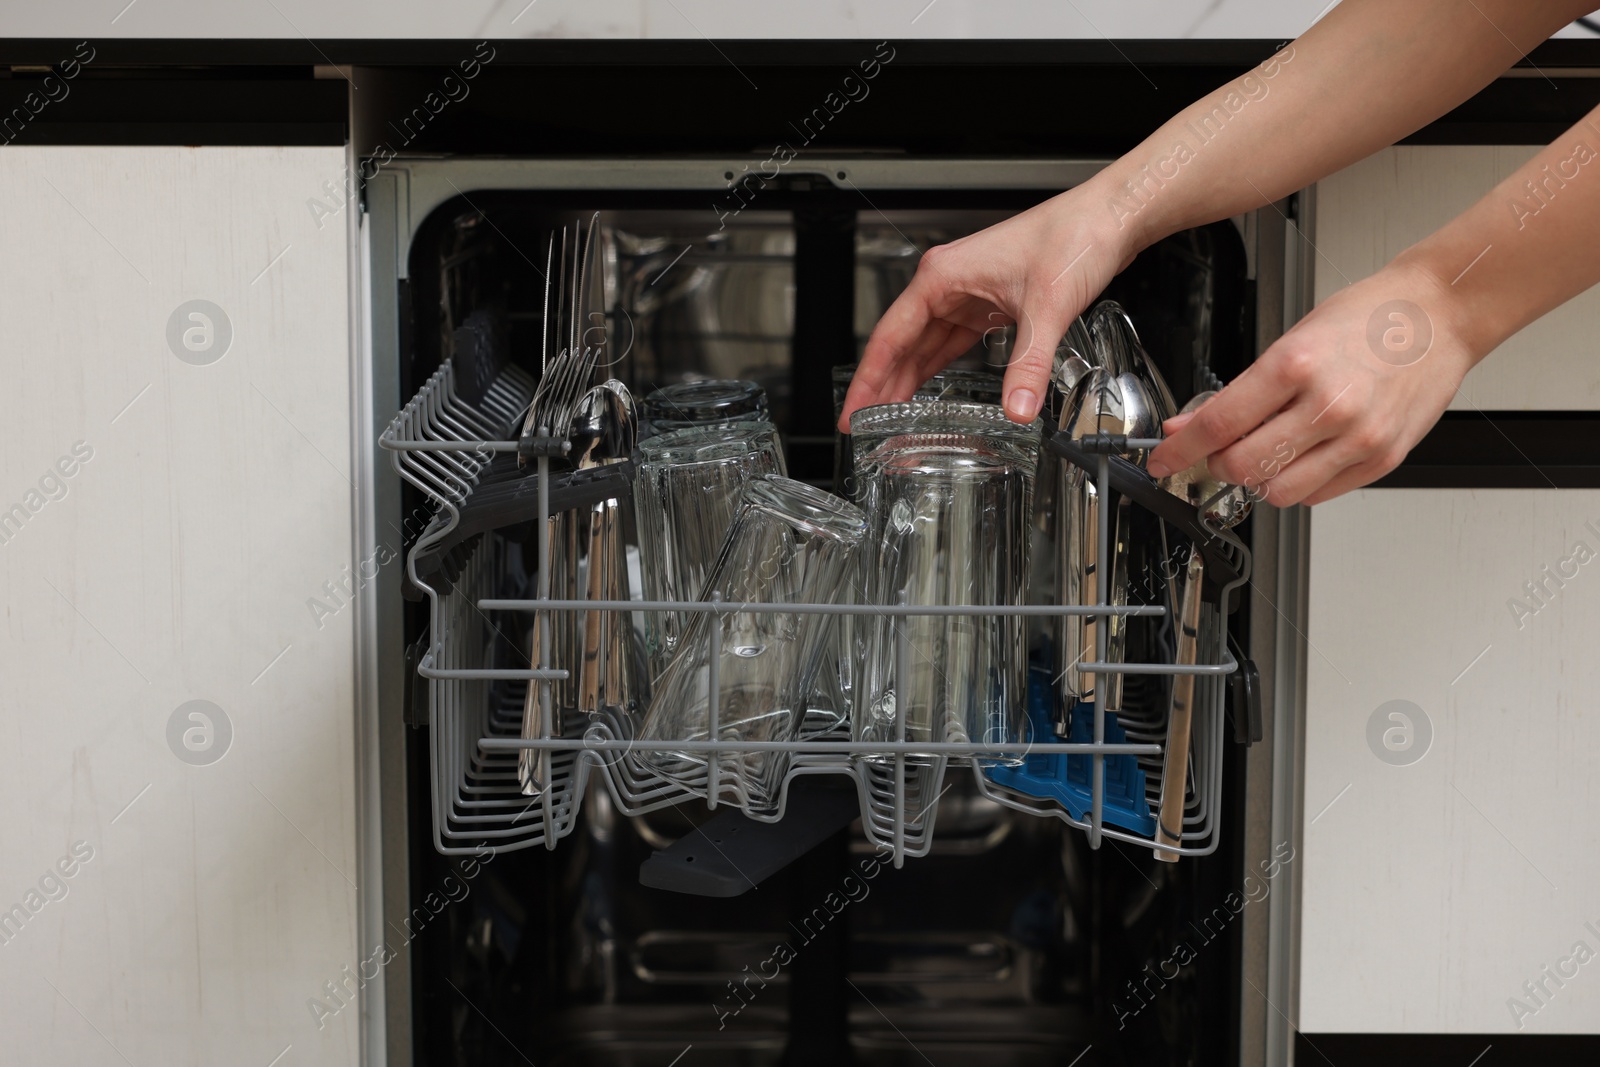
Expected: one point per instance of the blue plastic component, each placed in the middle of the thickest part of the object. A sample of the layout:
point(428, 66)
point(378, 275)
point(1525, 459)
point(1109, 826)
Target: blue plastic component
point(1065, 779)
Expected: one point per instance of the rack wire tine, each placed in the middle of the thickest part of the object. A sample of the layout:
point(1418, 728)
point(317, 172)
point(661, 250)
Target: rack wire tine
point(544, 338)
point(545, 763)
point(714, 704)
point(901, 709)
point(1097, 778)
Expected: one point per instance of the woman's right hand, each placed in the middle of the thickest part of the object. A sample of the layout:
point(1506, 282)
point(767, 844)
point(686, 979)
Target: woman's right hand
point(1038, 269)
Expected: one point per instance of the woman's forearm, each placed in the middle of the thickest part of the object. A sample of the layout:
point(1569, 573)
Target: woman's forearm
point(1370, 73)
point(1524, 249)
point(1351, 388)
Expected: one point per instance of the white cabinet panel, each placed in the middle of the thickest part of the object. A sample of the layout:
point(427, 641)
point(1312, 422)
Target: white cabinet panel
point(1434, 889)
point(208, 500)
point(1373, 211)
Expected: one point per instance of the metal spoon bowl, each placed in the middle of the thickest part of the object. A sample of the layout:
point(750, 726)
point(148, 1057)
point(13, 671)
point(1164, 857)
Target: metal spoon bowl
point(1221, 505)
point(603, 426)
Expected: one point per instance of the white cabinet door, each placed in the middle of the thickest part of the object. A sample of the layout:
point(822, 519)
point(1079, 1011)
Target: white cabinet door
point(1448, 857)
point(1371, 212)
point(176, 725)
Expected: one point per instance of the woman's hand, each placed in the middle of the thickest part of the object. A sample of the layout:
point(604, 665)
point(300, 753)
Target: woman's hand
point(1323, 411)
point(1339, 400)
point(1038, 269)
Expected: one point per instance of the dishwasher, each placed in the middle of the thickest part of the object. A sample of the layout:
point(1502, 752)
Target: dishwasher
point(947, 909)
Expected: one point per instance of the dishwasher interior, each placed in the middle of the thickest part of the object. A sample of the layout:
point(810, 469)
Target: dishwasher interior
point(1009, 941)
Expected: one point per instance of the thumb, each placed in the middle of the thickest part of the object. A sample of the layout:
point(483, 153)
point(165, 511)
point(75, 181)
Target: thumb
point(1039, 331)
point(1176, 423)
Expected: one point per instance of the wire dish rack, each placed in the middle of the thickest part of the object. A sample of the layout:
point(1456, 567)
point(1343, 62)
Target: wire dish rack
point(450, 446)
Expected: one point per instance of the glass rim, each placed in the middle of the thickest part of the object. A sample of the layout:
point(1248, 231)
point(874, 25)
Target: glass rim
point(900, 450)
point(704, 443)
point(992, 418)
point(804, 505)
point(705, 393)
point(958, 374)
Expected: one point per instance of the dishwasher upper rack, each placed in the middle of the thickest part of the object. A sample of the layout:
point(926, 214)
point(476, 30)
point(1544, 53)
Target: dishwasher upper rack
point(440, 441)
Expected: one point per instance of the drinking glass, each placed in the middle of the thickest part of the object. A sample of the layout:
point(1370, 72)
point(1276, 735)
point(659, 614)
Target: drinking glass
point(843, 375)
point(953, 384)
point(871, 426)
point(686, 493)
point(685, 404)
point(957, 383)
point(947, 517)
point(790, 544)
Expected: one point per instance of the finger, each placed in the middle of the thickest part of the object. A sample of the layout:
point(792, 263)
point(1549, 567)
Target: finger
point(898, 381)
point(1339, 464)
point(908, 375)
point(941, 343)
point(1176, 423)
point(1307, 473)
point(1264, 452)
point(911, 370)
point(1039, 330)
point(1243, 405)
point(1349, 479)
point(880, 360)
point(949, 331)
point(899, 332)
point(960, 340)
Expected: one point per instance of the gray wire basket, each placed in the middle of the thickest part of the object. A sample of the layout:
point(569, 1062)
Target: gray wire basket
point(444, 445)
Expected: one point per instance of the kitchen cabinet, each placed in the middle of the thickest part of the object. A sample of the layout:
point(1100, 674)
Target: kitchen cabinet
point(177, 485)
point(1448, 678)
point(1369, 213)
point(1442, 867)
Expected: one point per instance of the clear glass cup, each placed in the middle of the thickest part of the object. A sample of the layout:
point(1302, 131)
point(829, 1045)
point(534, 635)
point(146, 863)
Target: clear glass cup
point(686, 404)
point(843, 375)
point(948, 520)
point(871, 426)
point(790, 544)
point(957, 383)
point(686, 493)
point(953, 384)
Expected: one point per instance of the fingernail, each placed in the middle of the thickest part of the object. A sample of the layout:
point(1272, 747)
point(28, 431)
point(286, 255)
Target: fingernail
point(1157, 469)
point(1024, 405)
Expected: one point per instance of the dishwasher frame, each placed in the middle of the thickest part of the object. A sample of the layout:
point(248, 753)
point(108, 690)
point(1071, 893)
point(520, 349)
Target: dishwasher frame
point(395, 201)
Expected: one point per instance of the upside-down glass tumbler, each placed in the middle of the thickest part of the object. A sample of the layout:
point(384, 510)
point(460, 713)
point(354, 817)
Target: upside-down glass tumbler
point(686, 493)
point(947, 522)
point(790, 544)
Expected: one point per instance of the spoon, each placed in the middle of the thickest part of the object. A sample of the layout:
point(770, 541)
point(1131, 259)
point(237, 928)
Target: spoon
point(1094, 405)
point(605, 423)
point(1114, 329)
point(601, 433)
point(1146, 400)
point(1221, 505)
point(1106, 400)
point(1074, 357)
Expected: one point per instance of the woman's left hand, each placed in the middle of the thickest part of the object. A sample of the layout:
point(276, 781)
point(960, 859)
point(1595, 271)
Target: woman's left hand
point(1337, 401)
